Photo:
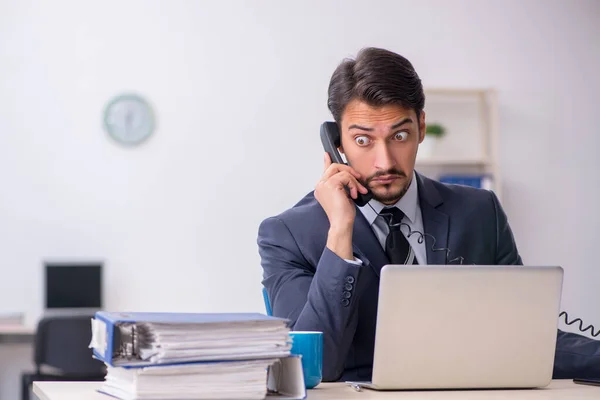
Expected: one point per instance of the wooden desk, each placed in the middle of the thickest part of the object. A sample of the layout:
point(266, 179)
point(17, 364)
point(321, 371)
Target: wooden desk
point(561, 389)
point(16, 334)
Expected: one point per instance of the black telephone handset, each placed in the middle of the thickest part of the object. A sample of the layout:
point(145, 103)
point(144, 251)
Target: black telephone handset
point(330, 137)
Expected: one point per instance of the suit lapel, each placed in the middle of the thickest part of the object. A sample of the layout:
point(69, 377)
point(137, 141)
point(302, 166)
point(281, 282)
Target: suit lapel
point(365, 243)
point(436, 226)
point(435, 222)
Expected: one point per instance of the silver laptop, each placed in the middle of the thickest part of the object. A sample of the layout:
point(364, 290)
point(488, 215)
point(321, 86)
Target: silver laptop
point(465, 327)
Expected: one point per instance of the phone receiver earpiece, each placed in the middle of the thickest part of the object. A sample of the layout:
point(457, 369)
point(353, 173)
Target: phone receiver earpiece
point(330, 138)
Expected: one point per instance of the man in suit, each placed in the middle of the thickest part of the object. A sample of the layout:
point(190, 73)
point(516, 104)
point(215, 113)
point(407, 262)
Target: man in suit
point(322, 258)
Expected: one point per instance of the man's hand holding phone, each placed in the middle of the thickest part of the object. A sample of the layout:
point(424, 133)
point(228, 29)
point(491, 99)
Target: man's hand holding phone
point(331, 193)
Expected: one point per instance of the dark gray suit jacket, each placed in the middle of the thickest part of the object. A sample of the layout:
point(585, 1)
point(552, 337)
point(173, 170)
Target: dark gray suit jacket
point(319, 291)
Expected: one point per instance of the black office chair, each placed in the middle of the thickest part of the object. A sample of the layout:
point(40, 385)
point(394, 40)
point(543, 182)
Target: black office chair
point(61, 342)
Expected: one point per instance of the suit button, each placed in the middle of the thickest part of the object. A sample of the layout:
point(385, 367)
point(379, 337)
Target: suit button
point(349, 279)
point(345, 302)
point(346, 295)
point(348, 286)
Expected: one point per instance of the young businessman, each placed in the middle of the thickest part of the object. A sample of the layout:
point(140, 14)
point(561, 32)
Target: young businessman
point(321, 258)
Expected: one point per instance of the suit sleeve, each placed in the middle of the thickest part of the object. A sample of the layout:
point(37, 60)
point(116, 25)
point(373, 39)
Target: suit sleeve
point(577, 356)
point(323, 299)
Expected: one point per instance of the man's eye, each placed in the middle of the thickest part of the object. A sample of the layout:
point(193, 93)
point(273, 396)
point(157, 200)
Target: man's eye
point(401, 136)
point(362, 140)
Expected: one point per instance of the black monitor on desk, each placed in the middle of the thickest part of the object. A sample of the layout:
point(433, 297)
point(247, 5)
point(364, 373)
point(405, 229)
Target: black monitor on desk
point(70, 285)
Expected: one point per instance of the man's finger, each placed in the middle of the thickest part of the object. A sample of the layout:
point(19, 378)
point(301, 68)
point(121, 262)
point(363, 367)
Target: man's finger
point(326, 160)
point(344, 178)
point(334, 168)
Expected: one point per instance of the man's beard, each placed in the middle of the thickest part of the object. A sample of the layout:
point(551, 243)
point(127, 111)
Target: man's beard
point(389, 196)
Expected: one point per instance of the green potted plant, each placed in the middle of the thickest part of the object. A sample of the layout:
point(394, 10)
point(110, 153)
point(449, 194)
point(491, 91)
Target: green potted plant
point(433, 134)
point(435, 130)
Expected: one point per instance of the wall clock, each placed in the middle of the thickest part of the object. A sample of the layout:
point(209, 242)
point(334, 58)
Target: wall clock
point(129, 119)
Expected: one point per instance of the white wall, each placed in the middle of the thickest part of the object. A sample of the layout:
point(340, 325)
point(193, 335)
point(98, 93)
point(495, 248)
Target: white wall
point(240, 91)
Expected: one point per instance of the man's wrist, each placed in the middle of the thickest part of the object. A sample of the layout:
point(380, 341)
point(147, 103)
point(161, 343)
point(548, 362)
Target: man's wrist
point(339, 241)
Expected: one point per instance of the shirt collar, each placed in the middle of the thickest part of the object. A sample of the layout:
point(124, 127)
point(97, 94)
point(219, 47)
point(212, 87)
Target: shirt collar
point(407, 204)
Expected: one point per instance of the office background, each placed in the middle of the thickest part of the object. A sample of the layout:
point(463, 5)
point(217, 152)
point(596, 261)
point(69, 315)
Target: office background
point(239, 90)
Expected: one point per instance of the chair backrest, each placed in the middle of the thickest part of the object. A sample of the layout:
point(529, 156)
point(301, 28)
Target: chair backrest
point(62, 342)
point(267, 302)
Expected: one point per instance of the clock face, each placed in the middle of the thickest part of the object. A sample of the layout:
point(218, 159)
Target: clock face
point(129, 119)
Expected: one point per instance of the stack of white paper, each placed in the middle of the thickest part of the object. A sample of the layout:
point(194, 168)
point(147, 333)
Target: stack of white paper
point(167, 343)
point(166, 356)
point(214, 380)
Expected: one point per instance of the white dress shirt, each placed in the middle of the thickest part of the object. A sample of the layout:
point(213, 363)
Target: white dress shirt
point(409, 205)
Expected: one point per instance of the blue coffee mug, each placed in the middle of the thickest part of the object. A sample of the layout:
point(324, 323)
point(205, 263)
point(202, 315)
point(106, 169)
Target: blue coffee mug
point(309, 345)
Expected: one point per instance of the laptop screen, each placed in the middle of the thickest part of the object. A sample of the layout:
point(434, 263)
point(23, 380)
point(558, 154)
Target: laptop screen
point(73, 286)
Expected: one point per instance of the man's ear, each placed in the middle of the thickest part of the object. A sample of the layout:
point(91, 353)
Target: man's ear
point(341, 151)
point(422, 126)
point(341, 147)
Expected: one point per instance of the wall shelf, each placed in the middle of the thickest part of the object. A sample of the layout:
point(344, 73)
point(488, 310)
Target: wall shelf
point(470, 143)
point(428, 162)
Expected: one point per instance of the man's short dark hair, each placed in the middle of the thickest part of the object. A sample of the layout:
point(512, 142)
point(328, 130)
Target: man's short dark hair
point(378, 77)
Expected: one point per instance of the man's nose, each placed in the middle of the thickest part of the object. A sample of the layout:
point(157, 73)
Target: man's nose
point(384, 159)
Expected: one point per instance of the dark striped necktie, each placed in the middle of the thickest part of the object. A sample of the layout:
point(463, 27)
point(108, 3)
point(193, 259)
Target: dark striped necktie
point(397, 247)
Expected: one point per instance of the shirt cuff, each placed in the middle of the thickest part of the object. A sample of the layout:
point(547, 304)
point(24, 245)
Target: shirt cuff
point(356, 261)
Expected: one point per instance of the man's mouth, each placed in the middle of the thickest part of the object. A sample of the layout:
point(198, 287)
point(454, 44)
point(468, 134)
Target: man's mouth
point(385, 179)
